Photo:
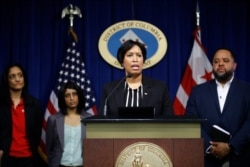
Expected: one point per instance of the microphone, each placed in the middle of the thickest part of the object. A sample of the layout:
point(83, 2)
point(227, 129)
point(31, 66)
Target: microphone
point(119, 83)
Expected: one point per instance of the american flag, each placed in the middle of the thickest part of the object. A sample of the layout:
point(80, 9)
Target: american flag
point(198, 70)
point(72, 69)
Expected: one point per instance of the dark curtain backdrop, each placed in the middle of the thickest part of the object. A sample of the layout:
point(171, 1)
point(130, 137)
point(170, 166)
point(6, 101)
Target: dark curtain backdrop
point(33, 33)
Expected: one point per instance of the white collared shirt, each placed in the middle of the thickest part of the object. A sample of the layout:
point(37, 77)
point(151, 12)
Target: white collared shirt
point(222, 92)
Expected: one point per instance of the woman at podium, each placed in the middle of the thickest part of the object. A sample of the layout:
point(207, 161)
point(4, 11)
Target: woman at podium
point(134, 89)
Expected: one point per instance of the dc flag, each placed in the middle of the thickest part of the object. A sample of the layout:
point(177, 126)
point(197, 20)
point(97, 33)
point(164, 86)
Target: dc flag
point(198, 70)
point(72, 69)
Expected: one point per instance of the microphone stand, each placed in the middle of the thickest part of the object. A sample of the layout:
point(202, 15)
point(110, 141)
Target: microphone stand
point(106, 100)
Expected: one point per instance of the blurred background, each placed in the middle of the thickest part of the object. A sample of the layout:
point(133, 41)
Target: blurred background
point(34, 34)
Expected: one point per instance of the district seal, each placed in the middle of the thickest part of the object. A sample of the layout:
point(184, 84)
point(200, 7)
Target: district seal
point(143, 154)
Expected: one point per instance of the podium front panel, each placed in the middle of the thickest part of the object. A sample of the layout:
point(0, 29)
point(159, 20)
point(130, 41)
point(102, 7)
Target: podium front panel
point(143, 130)
point(108, 138)
point(182, 152)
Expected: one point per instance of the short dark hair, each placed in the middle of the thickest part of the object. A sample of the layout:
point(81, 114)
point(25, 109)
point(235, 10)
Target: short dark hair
point(5, 79)
point(61, 99)
point(128, 45)
point(234, 56)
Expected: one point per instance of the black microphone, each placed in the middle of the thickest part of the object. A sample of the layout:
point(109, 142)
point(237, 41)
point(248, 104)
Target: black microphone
point(119, 83)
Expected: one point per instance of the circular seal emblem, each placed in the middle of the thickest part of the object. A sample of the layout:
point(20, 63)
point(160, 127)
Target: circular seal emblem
point(152, 37)
point(143, 154)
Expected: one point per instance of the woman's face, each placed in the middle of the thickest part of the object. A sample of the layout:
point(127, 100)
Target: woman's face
point(16, 79)
point(71, 98)
point(133, 61)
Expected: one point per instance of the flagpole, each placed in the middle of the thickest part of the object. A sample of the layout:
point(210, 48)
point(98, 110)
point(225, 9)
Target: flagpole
point(72, 69)
point(198, 70)
point(197, 14)
point(71, 11)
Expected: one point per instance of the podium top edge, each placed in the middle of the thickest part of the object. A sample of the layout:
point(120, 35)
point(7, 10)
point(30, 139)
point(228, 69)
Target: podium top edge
point(156, 119)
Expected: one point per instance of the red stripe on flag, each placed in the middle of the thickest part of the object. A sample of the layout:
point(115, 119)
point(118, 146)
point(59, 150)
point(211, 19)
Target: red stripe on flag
point(198, 70)
point(51, 108)
point(187, 83)
point(187, 80)
point(179, 108)
point(94, 109)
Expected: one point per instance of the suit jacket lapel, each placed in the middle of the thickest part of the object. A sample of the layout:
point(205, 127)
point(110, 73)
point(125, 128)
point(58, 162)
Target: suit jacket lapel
point(28, 110)
point(229, 94)
point(214, 95)
point(119, 96)
point(60, 128)
point(147, 91)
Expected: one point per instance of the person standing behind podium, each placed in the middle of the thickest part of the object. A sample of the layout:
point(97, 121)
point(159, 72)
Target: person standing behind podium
point(64, 130)
point(224, 101)
point(135, 89)
point(21, 119)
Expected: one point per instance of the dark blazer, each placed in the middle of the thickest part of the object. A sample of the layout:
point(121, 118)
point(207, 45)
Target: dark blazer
point(155, 93)
point(34, 118)
point(235, 118)
point(55, 137)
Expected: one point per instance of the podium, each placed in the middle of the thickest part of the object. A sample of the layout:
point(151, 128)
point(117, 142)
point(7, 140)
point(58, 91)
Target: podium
point(108, 137)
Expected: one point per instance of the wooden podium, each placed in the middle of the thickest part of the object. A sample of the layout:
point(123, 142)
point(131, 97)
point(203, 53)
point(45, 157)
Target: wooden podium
point(107, 137)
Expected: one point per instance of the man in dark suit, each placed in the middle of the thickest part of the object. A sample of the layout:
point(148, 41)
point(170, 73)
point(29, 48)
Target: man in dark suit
point(135, 90)
point(224, 101)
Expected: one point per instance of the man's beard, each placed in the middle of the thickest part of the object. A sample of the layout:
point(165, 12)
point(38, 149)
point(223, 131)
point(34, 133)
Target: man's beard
point(224, 77)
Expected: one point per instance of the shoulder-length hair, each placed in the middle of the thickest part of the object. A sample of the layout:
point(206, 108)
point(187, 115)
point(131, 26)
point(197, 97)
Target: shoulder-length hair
point(61, 95)
point(5, 88)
